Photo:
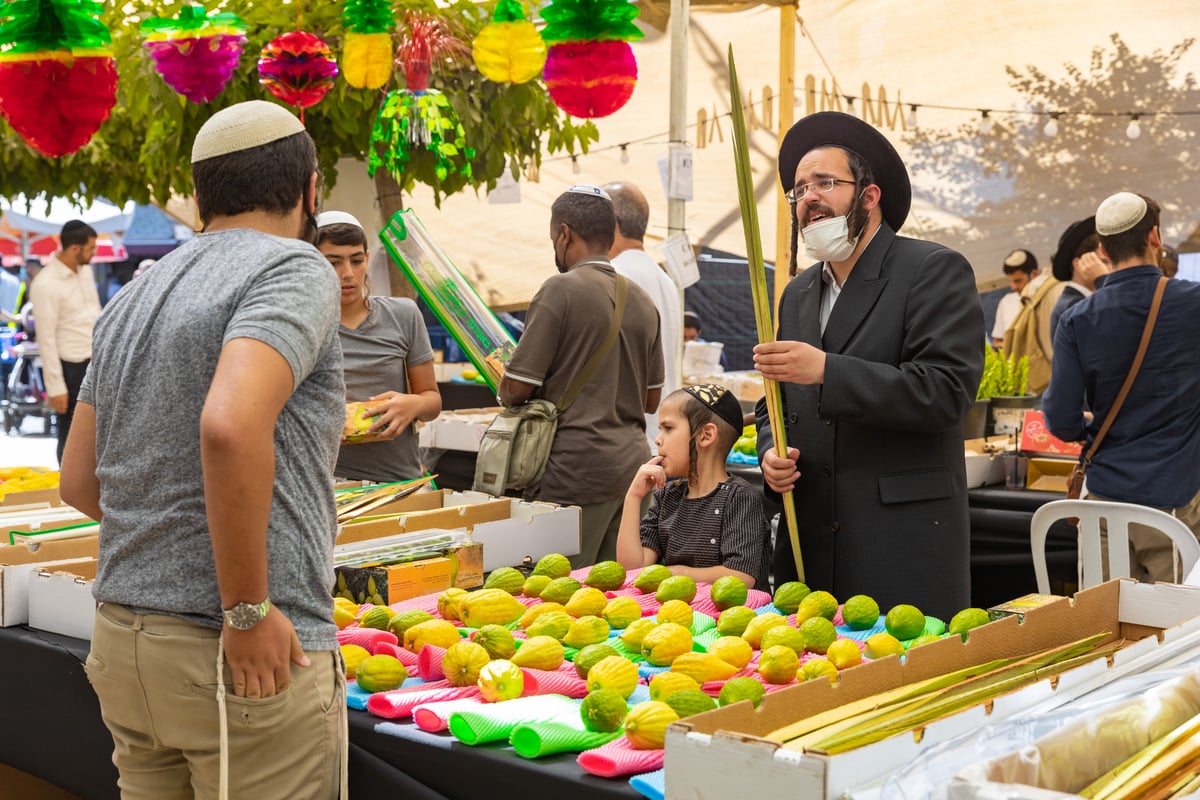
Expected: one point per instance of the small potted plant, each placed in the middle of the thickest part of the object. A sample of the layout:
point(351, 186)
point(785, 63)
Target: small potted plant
point(1004, 386)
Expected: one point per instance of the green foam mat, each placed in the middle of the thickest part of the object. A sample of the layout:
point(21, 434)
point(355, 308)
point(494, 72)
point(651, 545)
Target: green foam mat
point(539, 739)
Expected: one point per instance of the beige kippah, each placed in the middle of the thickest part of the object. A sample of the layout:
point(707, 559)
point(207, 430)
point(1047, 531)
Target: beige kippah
point(1016, 258)
point(336, 218)
point(242, 127)
point(1119, 213)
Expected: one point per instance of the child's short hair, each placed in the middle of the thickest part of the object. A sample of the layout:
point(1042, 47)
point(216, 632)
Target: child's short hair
point(710, 402)
point(342, 233)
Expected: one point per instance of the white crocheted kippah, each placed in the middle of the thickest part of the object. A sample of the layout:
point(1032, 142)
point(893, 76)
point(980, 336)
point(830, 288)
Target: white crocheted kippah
point(587, 188)
point(1119, 213)
point(243, 126)
point(337, 217)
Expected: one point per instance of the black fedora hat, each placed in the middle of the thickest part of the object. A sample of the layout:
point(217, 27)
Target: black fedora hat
point(833, 128)
point(1063, 262)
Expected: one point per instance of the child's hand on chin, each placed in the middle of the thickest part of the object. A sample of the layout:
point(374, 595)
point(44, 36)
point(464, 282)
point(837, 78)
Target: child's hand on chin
point(650, 476)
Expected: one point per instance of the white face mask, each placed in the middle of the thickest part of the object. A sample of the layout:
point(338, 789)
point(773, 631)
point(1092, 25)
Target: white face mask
point(829, 239)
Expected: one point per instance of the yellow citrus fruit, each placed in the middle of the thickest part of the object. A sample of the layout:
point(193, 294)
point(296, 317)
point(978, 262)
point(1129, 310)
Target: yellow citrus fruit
point(448, 602)
point(759, 625)
point(500, 680)
point(621, 612)
point(676, 611)
point(905, 622)
point(585, 631)
point(615, 673)
point(817, 604)
point(587, 602)
point(539, 652)
point(377, 618)
point(646, 724)
point(437, 632)
point(733, 621)
point(817, 668)
point(536, 611)
point(778, 664)
point(860, 612)
point(535, 584)
point(665, 684)
point(882, 645)
point(703, 667)
point(926, 639)
point(728, 591)
point(818, 634)
point(968, 618)
point(343, 617)
point(353, 655)
point(497, 640)
point(844, 653)
point(665, 643)
point(602, 710)
point(733, 650)
point(560, 590)
point(463, 662)
point(636, 632)
point(784, 635)
point(380, 673)
point(590, 656)
point(554, 624)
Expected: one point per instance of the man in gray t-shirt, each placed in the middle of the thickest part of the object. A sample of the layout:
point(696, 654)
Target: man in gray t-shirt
point(204, 442)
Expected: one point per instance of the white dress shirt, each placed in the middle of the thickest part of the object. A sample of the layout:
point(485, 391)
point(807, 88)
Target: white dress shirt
point(65, 308)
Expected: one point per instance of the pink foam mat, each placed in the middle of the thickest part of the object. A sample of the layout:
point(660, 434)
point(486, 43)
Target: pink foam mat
point(366, 638)
point(399, 703)
point(435, 716)
point(618, 758)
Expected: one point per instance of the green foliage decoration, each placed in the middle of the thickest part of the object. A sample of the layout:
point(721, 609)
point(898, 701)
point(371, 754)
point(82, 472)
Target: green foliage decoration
point(1003, 377)
point(590, 20)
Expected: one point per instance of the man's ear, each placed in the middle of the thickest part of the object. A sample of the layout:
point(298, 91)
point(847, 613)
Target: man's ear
point(310, 195)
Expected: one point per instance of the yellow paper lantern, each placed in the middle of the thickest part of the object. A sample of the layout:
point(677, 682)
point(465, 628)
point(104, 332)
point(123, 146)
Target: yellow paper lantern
point(509, 48)
point(367, 59)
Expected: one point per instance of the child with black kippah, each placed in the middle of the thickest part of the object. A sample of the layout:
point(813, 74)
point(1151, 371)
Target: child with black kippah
point(702, 522)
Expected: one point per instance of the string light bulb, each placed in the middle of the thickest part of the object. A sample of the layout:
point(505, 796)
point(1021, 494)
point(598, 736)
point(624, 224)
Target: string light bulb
point(624, 154)
point(575, 168)
point(985, 122)
point(1133, 130)
point(911, 120)
point(1051, 129)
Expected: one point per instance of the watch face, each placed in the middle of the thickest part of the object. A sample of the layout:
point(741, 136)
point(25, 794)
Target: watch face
point(244, 616)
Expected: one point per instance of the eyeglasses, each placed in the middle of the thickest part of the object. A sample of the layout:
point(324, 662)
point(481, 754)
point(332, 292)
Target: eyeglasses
point(817, 187)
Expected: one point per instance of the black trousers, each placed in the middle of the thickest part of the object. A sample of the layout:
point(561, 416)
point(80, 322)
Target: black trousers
point(73, 373)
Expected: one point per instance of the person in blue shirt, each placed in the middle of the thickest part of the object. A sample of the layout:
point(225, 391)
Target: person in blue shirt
point(1151, 454)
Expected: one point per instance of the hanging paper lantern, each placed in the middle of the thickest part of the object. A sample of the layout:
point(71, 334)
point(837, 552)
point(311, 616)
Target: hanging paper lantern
point(590, 79)
point(58, 81)
point(367, 54)
point(417, 116)
point(297, 68)
point(195, 53)
point(509, 48)
point(590, 69)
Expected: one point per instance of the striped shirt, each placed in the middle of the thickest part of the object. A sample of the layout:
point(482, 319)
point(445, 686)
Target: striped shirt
point(724, 528)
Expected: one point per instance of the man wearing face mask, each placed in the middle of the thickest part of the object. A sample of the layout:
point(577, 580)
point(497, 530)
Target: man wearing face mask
point(879, 354)
point(600, 441)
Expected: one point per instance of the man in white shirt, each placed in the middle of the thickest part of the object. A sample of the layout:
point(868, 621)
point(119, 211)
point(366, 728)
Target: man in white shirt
point(629, 258)
point(65, 308)
point(1020, 267)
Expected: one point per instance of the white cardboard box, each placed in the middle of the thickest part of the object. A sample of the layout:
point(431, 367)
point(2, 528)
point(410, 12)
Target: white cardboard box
point(462, 429)
point(510, 530)
point(713, 754)
point(17, 562)
point(60, 599)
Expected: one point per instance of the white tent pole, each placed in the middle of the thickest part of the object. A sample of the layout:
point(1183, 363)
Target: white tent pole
point(678, 133)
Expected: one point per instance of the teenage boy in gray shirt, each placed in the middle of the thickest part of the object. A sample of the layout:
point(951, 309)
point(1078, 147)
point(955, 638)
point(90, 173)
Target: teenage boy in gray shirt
point(204, 442)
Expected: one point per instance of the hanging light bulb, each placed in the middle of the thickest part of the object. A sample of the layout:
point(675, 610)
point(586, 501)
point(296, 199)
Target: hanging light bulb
point(624, 154)
point(575, 168)
point(1051, 129)
point(911, 120)
point(1133, 130)
point(985, 122)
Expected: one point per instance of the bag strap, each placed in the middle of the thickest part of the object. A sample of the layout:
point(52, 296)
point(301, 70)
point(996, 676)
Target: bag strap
point(593, 363)
point(1143, 345)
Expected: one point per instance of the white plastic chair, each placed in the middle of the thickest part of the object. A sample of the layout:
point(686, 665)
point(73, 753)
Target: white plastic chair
point(1118, 516)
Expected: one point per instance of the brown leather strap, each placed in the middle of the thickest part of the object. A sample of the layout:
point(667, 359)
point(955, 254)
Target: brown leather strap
point(1143, 345)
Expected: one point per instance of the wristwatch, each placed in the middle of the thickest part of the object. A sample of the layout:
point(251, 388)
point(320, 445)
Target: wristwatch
point(245, 616)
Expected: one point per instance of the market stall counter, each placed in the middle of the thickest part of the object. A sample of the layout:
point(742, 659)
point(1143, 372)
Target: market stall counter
point(53, 731)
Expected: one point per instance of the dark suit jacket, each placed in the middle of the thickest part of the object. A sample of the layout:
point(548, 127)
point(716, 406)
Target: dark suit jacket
point(882, 498)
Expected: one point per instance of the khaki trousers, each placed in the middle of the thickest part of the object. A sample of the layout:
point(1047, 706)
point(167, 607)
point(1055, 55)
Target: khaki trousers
point(1152, 557)
point(155, 677)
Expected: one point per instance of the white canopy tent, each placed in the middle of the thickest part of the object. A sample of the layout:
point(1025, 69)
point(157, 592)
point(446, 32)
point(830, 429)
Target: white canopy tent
point(947, 58)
